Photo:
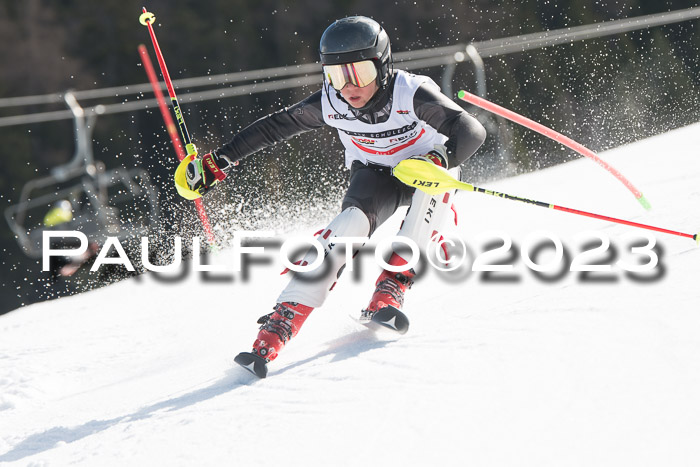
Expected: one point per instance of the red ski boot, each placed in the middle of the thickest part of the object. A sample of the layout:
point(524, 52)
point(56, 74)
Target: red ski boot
point(278, 327)
point(390, 288)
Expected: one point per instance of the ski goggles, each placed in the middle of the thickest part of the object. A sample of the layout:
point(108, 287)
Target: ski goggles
point(360, 74)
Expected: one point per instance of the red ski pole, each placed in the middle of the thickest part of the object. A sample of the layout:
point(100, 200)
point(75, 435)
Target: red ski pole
point(147, 19)
point(167, 118)
point(434, 180)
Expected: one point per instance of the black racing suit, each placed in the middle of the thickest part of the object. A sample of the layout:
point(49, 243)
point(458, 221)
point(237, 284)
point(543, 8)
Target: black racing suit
point(372, 188)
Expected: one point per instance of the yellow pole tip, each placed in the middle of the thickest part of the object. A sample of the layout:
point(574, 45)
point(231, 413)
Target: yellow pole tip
point(147, 17)
point(643, 201)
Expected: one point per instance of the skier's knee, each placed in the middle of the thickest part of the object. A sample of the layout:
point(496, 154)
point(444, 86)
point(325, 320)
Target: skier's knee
point(369, 215)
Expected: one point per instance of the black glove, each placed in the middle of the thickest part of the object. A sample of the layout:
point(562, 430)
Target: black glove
point(206, 171)
point(437, 155)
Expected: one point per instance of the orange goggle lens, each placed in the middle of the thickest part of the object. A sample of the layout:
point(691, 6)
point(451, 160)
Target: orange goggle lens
point(360, 74)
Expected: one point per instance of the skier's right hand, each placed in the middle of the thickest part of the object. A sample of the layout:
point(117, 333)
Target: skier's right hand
point(206, 171)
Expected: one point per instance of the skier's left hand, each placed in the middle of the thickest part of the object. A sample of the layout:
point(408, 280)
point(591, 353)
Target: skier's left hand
point(438, 156)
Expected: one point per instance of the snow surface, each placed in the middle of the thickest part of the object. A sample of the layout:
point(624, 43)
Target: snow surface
point(569, 372)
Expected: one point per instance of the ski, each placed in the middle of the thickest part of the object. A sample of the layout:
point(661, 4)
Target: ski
point(387, 318)
point(253, 363)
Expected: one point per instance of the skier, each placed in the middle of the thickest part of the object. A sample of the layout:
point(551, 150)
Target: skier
point(382, 116)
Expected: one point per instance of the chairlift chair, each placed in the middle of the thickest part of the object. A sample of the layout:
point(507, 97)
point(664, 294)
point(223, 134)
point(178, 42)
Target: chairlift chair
point(119, 202)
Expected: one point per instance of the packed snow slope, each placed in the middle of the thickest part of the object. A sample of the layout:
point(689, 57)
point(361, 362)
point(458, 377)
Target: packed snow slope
point(597, 369)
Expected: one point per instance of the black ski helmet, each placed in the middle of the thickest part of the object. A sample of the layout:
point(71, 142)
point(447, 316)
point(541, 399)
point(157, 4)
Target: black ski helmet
point(354, 39)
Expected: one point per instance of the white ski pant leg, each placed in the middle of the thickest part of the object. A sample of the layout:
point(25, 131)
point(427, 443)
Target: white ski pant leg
point(311, 288)
point(427, 215)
